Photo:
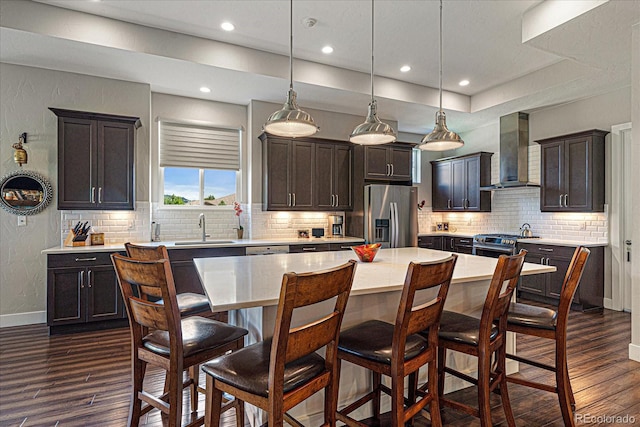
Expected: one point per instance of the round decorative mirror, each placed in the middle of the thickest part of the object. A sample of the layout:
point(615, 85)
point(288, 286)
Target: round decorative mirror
point(25, 192)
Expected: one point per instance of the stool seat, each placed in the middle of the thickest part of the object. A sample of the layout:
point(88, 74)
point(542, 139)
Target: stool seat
point(373, 340)
point(248, 369)
point(190, 303)
point(198, 334)
point(462, 328)
point(532, 316)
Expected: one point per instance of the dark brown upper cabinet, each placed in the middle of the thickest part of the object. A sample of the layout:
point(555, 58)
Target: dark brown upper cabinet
point(388, 162)
point(95, 160)
point(333, 177)
point(572, 172)
point(456, 183)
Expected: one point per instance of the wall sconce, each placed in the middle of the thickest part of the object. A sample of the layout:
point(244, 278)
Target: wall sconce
point(20, 155)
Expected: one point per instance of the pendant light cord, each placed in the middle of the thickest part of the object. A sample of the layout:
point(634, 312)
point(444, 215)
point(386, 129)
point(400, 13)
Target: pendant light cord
point(440, 56)
point(291, 44)
point(372, 35)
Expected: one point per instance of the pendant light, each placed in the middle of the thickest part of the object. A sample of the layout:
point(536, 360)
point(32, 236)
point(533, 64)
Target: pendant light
point(291, 121)
point(372, 131)
point(441, 138)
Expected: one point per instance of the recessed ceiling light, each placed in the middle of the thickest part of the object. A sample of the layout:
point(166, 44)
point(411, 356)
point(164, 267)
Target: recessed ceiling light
point(405, 68)
point(327, 49)
point(227, 26)
point(463, 82)
point(205, 89)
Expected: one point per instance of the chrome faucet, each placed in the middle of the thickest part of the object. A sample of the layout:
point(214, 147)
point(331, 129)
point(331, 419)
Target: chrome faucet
point(202, 224)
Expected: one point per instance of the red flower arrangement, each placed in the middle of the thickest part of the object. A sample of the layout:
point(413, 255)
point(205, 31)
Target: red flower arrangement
point(238, 209)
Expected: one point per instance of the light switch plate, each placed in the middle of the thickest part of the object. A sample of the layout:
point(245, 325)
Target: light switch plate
point(22, 221)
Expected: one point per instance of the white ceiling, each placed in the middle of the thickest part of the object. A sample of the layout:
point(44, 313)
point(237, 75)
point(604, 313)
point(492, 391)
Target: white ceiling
point(589, 55)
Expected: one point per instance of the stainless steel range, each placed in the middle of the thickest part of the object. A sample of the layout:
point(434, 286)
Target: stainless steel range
point(494, 245)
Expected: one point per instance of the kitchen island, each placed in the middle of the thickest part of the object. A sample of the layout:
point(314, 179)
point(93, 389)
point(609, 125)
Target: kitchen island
point(250, 287)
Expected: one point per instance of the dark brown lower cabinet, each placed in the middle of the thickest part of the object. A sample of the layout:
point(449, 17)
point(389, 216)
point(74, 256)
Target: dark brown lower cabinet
point(82, 293)
point(463, 245)
point(547, 287)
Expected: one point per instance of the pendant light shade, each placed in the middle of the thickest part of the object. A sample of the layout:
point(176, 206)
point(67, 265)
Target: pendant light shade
point(372, 131)
point(291, 121)
point(441, 138)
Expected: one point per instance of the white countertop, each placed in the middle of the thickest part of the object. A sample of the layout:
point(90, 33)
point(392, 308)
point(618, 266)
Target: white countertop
point(243, 282)
point(211, 243)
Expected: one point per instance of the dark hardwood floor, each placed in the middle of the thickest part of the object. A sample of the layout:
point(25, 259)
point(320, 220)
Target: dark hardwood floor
point(83, 379)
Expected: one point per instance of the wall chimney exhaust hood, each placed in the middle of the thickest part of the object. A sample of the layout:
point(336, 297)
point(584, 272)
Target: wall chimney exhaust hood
point(514, 153)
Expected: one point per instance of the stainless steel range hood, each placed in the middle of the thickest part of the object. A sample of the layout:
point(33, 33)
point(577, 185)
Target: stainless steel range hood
point(514, 153)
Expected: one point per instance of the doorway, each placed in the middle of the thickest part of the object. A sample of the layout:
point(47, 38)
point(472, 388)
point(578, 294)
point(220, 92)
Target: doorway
point(621, 217)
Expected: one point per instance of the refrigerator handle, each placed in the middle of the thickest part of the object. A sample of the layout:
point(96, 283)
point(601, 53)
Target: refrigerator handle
point(397, 226)
point(392, 226)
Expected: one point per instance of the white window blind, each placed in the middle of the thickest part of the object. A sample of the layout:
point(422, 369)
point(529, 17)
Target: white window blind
point(199, 146)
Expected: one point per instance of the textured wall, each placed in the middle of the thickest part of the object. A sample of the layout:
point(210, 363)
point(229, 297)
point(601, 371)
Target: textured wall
point(25, 95)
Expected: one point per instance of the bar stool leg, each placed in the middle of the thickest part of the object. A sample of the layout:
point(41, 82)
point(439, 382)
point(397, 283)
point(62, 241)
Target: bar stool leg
point(484, 377)
point(442, 360)
point(135, 412)
point(564, 389)
point(504, 393)
point(376, 381)
point(434, 406)
point(194, 376)
point(213, 405)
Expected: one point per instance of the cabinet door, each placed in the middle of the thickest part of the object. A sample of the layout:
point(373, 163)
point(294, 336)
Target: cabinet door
point(555, 279)
point(459, 184)
point(77, 153)
point(302, 171)
point(552, 176)
point(376, 162)
point(342, 177)
point(430, 242)
point(463, 245)
point(535, 283)
point(325, 173)
point(186, 277)
point(400, 160)
point(441, 186)
point(104, 300)
point(448, 243)
point(115, 165)
point(64, 295)
point(277, 171)
point(577, 178)
point(472, 183)
point(321, 247)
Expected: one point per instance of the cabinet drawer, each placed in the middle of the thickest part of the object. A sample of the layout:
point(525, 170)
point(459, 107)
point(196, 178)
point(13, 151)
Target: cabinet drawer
point(83, 259)
point(190, 254)
point(321, 247)
point(342, 246)
point(548, 250)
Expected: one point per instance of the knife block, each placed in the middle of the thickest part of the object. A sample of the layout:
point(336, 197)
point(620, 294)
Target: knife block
point(68, 241)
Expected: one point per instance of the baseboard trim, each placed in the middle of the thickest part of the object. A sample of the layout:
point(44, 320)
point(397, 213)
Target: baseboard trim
point(634, 352)
point(22, 319)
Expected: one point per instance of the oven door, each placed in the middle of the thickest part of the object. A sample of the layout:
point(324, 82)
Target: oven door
point(492, 252)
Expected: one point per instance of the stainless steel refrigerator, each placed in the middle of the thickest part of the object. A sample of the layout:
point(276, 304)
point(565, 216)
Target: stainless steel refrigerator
point(391, 215)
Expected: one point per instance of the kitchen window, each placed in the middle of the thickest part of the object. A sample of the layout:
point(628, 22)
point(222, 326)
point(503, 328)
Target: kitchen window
point(199, 164)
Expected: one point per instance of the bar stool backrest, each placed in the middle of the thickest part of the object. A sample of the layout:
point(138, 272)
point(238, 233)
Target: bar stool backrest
point(496, 305)
point(302, 290)
point(413, 319)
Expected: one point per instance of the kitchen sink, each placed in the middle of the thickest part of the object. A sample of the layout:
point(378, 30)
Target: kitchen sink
point(208, 242)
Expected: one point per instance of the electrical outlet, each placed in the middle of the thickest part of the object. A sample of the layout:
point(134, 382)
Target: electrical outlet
point(22, 221)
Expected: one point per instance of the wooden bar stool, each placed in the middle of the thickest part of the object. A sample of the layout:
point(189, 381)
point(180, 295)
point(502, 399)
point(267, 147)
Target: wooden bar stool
point(160, 337)
point(482, 339)
point(545, 323)
point(398, 351)
point(189, 303)
point(277, 374)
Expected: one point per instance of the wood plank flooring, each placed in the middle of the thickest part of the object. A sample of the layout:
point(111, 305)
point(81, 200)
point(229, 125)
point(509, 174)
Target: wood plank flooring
point(83, 379)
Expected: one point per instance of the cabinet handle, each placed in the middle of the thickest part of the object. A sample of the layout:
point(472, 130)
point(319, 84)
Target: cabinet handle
point(89, 279)
point(289, 199)
point(93, 194)
point(542, 260)
point(309, 249)
point(465, 241)
point(545, 249)
point(392, 171)
point(561, 200)
point(99, 194)
point(86, 259)
point(547, 261)
point(337, 200)
point(448, 203)
point(452, 243)
point(388, 170)
point(82, 280)
point(566, 200)
point(294, 198)
point(332, 200)
point(345, 247)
